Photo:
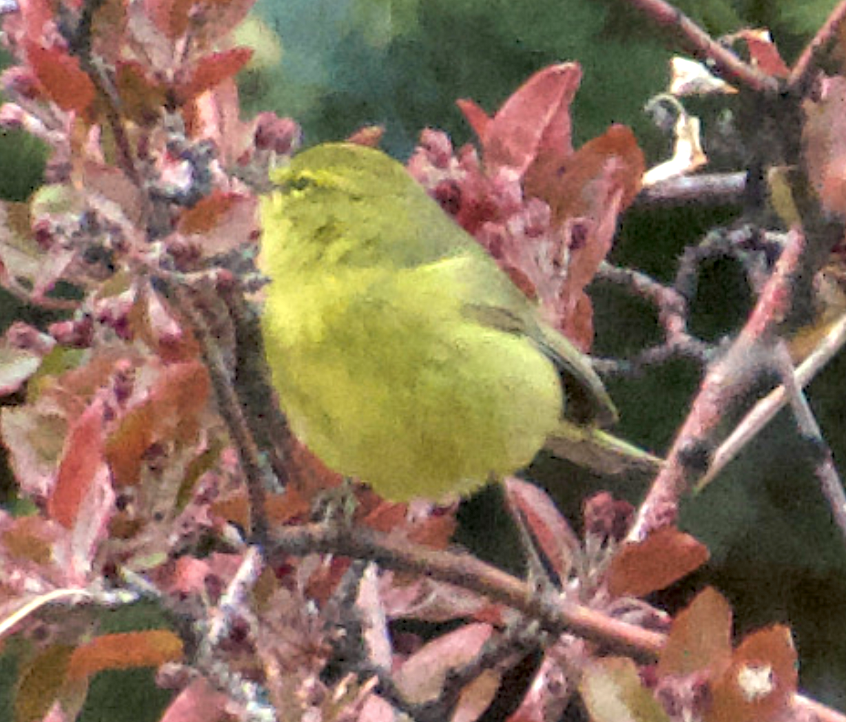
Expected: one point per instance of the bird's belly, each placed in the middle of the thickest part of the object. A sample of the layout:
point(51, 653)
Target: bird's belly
point(417, 405)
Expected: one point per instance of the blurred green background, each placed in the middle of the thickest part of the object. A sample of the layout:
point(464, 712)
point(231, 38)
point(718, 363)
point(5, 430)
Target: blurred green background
point(402, 64)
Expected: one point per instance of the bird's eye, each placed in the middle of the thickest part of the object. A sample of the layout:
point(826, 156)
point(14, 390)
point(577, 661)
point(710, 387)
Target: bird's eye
point(301, 182)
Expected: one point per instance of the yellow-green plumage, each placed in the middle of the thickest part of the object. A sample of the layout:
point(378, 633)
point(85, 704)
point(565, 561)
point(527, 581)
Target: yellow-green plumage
point(401, 353)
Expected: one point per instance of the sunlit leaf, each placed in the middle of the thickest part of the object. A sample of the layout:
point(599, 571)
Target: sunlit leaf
point(700, 637)
point(612, 692)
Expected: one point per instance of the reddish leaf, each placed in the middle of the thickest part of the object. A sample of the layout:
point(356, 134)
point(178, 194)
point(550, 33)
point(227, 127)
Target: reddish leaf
point(125, 651)
point(761, 680)
point(435, 530)
point(533, 121)
point(223, 221)
point(582, 184)
point(369, 135)
point(764, 53)
point(308, 473)
point(422, 675)
point(170, 412)
point(824, 139)
point(170, 16)
point(285, 507)
point(82, 456)
point(700, 637)
point(550, 530)
point(180, 394)
point(206, 214)
point(478, 119)
point(211, 70)
point(585, 192)
point(63, 80)
point(659, 560)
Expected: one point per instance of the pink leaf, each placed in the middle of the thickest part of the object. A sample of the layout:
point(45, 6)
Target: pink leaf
point(475, 115)
point(82, 456)
point(550, 530)
point(421, 677)
point(533, 121)
point(198, 702)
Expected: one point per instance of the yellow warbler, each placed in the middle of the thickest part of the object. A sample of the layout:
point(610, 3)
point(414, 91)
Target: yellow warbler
point(402, 354)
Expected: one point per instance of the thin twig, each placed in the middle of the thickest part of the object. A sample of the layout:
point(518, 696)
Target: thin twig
point(703, 47)
point(672, 315)
point(81, 45)
point(765, 410)
point(467, 572)
point(721, 388)
point(803, 69)
point(824, 469)
point(470, 573)
point(230, 409)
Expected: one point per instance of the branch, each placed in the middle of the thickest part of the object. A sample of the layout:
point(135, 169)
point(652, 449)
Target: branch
point(722, 387)
point(824, 469)
point(766, 409)
point(707, 189)
point(703, 47)
point(803, 69)
point(467, 572)
point(672, 315)
point(229, 406)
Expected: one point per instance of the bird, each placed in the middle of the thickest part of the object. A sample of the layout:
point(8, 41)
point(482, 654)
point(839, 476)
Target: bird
point(401, 353)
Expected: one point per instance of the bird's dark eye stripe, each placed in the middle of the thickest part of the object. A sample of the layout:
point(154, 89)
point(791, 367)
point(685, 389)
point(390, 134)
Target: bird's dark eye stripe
point(299, 183)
